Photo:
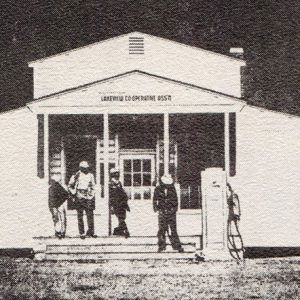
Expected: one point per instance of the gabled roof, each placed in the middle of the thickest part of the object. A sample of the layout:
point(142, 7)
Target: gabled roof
point(137, 33)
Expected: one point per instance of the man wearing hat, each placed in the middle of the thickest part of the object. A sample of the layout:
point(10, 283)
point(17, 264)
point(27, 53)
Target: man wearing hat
point(118, 202)
point(82, 187)
point(165, 201)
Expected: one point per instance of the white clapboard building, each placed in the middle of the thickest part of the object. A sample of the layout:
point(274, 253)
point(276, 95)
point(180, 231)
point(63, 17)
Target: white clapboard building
point(150, 106)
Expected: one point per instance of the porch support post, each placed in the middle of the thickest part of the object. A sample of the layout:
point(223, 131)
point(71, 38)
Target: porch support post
point(166, 143)
point(106, 165)
point(98, 162)
point(226, 144)
point(46, 147)
point(63, 163)
point(117, 150)
point(98, 175)
point(157, 159)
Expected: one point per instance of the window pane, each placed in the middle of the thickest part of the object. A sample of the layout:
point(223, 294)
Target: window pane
point(137, 165)
point(161, 170)
point(102, 173)
point(190, 197)
point(147, 194)
point(146, 179)
point(127, 179)
point(172, 169)
point(127, 165)
point(137, 179)
point(146, 165)
point(137, 196)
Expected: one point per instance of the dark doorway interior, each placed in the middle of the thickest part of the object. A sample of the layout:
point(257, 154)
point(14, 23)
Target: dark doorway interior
point(137, 131)
point(79, 133)
point(78, 149)
point(200, 139)
point(62, 125)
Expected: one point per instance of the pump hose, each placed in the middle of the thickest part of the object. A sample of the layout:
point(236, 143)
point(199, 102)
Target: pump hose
point(234, 238)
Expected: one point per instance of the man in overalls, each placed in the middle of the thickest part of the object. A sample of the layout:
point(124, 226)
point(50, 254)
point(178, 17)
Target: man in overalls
point(57, 196)
point(165, 201)
point(82, 187)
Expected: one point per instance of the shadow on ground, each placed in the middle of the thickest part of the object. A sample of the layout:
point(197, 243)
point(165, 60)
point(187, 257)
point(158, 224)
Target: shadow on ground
point(250, 252)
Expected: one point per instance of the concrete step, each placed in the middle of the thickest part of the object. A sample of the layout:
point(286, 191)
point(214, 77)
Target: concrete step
point(118, 256)
point(113, 248)
point(110, 240)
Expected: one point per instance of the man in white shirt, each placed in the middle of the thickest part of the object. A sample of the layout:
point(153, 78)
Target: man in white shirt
point(82, 187)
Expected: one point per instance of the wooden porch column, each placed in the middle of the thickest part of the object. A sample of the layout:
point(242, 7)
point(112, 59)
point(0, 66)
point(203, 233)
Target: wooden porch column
point(98, 175)
point(98, 162)
point(106, 166)
point(166, 143)
point(157, 160)
point(226, 144)
point(63, 163)
point(117, 150)
point(46, 147)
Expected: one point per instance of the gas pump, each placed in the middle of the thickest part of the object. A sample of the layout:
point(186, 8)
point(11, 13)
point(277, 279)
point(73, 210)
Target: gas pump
point(220, 217)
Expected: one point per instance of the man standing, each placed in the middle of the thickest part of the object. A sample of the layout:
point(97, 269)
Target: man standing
point(165, 201)
point(82, 187)
point(57, 196)
point(118, 201)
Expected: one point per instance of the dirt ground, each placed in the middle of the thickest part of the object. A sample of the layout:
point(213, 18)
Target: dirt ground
point(254, 279)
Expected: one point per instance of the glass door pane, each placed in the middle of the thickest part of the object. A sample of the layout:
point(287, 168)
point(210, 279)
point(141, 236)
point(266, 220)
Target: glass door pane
point(137, 176)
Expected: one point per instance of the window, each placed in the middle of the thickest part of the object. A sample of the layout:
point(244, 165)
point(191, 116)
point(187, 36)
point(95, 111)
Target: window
point(137, 172)
point(190, 195)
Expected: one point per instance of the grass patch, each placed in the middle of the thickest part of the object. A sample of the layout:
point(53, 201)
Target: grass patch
point(255, 279)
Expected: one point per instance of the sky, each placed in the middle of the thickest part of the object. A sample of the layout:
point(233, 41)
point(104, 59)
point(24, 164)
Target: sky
point(269, 32)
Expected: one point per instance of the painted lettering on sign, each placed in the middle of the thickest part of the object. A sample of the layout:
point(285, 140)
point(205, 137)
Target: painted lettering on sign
point(136, 98)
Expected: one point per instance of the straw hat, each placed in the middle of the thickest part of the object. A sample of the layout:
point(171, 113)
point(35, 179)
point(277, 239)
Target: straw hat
point(83, 164)
point(56, 177)
point(167, 179)
point(114, 171)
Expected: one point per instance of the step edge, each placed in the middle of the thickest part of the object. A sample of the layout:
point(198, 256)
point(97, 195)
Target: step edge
point(103, 245)
point(113, 252)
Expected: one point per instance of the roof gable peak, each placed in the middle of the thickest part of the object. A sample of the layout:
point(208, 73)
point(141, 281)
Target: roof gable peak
point(132, 34)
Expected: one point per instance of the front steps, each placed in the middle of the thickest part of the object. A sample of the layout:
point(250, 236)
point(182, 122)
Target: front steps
point(111, 248)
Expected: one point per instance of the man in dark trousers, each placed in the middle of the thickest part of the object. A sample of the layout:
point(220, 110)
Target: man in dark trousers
point(165, 201)
point(57, 196)
point(82, 187)
point(118, 201)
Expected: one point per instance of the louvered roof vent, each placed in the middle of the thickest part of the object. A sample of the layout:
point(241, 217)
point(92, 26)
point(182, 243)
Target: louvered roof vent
point(136, 45)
